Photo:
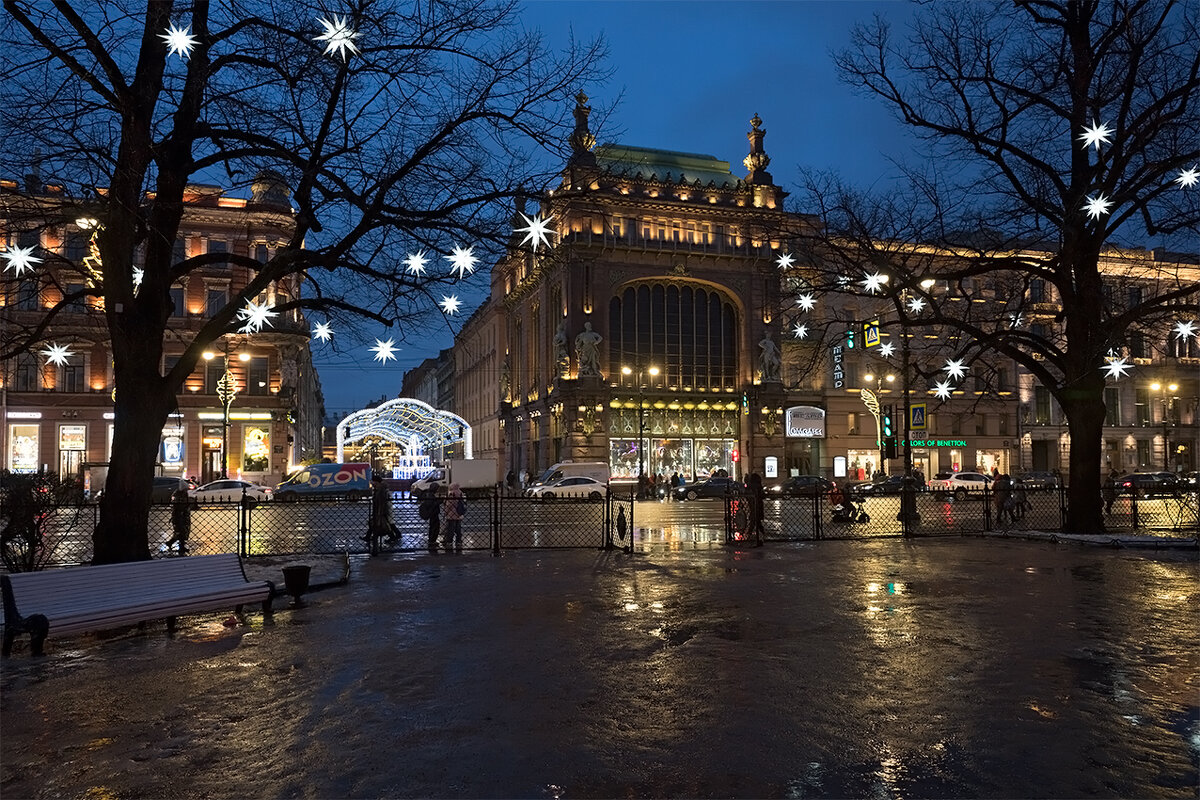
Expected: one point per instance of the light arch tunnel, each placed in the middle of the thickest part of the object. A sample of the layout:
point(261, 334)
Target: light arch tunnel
point(411, 426)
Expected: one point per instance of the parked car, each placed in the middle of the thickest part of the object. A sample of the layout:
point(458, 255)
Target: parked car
point(577, 487)
point(230, 489)
point(960, 484)
point(165, 486)
point(1039, 480)
point(710, 487)
point(1149, 483)
point(893, 484)
point(802, 486)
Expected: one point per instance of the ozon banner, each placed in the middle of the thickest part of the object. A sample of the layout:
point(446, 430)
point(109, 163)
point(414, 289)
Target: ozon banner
point(805, 422)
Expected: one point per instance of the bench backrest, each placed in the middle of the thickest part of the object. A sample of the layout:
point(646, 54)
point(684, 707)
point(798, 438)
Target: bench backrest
point(59, 592)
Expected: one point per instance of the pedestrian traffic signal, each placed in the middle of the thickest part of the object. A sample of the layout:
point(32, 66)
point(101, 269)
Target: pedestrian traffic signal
point(887, 422)
point(889, 447)
point(850, 338)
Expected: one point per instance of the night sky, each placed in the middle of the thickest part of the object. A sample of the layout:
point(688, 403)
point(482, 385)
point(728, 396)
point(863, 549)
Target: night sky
point(690, 76)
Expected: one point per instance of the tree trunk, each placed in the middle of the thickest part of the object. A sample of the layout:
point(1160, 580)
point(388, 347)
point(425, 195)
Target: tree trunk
point(1084, 409)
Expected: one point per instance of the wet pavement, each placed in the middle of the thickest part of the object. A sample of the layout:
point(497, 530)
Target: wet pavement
point(881, 669)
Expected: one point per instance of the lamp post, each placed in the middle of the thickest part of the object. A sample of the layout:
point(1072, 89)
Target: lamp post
point(1162, 389)
point(880, 380)
point(641, 372)
point(227, 390)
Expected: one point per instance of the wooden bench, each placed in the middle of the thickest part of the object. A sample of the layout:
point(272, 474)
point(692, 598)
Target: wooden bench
point(80, 599)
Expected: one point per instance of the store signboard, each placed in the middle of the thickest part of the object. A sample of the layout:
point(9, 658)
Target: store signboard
point(805, 422)
point(72, 437)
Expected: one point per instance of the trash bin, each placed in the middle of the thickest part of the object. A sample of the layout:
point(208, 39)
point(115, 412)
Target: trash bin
point(295, 580)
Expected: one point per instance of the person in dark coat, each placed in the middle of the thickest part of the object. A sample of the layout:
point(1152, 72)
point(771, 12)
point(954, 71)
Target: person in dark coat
point(758, 502)
point(430, 510)
point(181, 520)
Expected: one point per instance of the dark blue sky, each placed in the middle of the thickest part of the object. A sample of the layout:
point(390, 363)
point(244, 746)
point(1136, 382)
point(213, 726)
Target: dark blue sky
point(690, 76)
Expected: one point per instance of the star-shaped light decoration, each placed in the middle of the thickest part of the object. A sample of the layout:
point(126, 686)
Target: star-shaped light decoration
point(384, 350)
point(322, 332)
point(785, 261)
point(801, 331)
point(1096, 135)
point(954, 368)
point(806, 302)
point(887, 349)
point(1185, 330)
point(1096, 206)
point(338, 36)
point(138, 275)
point(537, 231)
point(1116, 368)
point(874, 282)
point(943, 390)
point(20, 259)
point(462, 261)
point(57, 354)
point(916, 305)
point(1188, 178)
point(179, 41)
point(255, 316)
point(450, 304)
point(1015, 319)
point(415, 263)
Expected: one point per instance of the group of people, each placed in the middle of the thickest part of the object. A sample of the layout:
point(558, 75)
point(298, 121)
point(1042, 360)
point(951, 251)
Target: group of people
point(649, 486)
point(444, 513)
point(1008, 498)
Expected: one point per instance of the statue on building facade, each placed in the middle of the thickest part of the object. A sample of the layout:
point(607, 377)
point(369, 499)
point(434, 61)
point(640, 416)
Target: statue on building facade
point(769, 359)
point(505, 382)
point(562, 359)
point(587, 350)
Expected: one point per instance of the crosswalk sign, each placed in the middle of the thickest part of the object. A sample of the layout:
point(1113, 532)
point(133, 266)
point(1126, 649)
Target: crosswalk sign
point(870, 333)
point(916, 417)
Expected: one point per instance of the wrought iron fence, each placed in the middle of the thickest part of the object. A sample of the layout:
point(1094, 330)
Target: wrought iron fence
point(498, 522)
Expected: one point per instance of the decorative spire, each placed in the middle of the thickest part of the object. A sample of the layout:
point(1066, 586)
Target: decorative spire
point(758, 159)
point(581, 139)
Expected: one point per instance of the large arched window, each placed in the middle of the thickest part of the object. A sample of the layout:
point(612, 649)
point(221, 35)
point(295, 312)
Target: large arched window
point(688, 331)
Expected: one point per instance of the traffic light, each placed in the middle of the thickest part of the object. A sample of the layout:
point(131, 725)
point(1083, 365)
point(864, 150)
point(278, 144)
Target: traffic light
point(850, 338)
point(887, 422)
point(889, 447)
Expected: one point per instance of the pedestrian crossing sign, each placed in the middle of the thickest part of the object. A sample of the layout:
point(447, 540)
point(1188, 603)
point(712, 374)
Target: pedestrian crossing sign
point(871, 333)
point(916, 417)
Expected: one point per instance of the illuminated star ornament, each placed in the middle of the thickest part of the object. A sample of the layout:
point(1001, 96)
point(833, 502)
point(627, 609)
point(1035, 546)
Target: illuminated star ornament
point(255, 316)
point(1116, 368)
point(20, 259)
point(179, 41)
point(415, 263)
point(874, 282)
point(384, 350)
point(450, 304)
point(954, 369)
point(806, 302)
point(138, 274)
point(338, 36)
point(1096, 206)
point(943, 390)
point(57, 354)
point(1185, 330)
point(1188, 178)
point(537, 231)
point(462, 261)
point(801, 331)
point(887, 350)
point(322, 332)
point(916, 305)
point(1096, 135)
point(785, 260)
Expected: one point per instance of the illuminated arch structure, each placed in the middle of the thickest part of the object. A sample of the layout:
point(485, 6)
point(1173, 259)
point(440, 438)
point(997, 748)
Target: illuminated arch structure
point(416, 427)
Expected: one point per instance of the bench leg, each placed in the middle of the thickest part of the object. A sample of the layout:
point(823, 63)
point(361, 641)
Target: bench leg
point(39, 628)
point(268, 612)
point(170, 624)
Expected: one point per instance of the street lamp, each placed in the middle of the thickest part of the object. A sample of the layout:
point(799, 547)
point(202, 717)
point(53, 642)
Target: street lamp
point(227, 390)
point(1162, 389)
point(641, 371)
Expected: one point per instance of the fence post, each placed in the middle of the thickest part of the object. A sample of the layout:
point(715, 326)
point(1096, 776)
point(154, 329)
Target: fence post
point(497, 508)
point(243, 526)
point(987, 506)
point(818, 501)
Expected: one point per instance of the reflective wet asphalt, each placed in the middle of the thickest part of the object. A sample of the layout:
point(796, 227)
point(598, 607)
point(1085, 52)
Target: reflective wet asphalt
point(871, 669)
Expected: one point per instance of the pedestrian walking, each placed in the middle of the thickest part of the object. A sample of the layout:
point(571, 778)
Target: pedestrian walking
point(622, 523)
point(381, 526)
point(511, 481)
point(1002, 491)
point(453, 511)
point(430, 510)
point(758, 498)
point(181, 520)
point(1109, 490)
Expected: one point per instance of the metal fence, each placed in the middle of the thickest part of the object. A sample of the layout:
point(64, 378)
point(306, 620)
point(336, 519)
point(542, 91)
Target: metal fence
point(500, 522)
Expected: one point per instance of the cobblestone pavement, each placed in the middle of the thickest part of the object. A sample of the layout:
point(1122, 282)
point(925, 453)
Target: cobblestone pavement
point(882, 669)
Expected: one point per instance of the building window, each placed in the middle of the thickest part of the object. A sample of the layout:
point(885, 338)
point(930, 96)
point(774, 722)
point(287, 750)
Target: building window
point(1183, 346)
point(1041, 405)
point(213, 370)
point(981, 424)
point(1112, 406)
point(1141, 404)
point(1137, 346)
point(29, 294)
point(27, 374)
point(178, 309)
point(75, 246)
point(70, 375)
point(1037, 291)
point(1143, 452)
point(1003, 424)
point(257, 377)
point(260, 253)
point(218, 246)
point(77, 304)
point(178, 251)
point(214, 301)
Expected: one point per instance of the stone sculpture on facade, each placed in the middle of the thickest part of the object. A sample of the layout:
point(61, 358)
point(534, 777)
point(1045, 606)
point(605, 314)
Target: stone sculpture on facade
point(769, 360)
point(562, 359)
point(587, 350)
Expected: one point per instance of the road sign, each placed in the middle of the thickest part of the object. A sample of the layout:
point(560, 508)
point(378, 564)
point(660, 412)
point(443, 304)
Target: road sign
point(871, 333)
point(916, 417)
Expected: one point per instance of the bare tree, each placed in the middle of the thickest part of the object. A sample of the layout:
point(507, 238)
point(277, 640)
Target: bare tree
point(1056, 130)
point(398, 126)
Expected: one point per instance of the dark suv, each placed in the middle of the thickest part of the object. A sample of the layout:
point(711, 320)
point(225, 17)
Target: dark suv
point(713, 487)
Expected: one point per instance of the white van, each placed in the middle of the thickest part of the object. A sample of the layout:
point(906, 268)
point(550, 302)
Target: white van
point(597, 470)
